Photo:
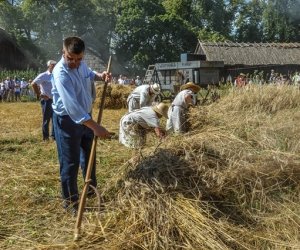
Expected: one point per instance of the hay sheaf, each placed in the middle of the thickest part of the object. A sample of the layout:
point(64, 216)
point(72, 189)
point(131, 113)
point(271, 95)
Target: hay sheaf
point(116, 96)
point(218, 187)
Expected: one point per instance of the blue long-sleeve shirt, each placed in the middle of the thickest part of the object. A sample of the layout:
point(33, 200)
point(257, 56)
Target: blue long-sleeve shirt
point(72, 91)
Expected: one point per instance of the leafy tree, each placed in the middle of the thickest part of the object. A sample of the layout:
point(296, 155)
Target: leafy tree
point(281, 22)
point(213, 18)
point(248, 22)
point(13, 21)
point(142, 32)
point(52, 21)
point(152, 31)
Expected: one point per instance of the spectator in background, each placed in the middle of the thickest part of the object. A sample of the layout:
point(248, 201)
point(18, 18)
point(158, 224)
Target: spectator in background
point(2, 90)
point(17, 91)
point(138, 81)
point(30, 89)
point(229, 79)
point(273, 76)
point(10, 87)
point(24, 87)
point(42, 87)
point(121, 80)
point(241, 80)
point(296, 78)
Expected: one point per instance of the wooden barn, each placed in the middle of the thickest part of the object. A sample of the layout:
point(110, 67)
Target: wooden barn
point(245, 58)
point(12, 57)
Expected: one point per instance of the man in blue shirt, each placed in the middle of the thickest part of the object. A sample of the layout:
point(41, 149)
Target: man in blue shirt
point(42, 87)
point(74, 127)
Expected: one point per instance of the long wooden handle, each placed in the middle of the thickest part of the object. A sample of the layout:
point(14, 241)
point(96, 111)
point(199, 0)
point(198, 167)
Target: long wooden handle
point(90, 164)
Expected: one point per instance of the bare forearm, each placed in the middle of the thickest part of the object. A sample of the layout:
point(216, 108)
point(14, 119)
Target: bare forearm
point(99, 77)
point(97, 129)
point(159, 132)
point(104, 76)
point(36, 89)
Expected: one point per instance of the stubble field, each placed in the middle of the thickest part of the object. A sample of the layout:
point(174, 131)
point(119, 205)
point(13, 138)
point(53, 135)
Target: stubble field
point(232, 182)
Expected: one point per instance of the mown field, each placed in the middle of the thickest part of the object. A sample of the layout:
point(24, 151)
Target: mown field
point(232, 182)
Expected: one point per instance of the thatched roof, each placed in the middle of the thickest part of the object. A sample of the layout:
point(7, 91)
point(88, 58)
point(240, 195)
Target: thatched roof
point(250, 53)
point(11, 55)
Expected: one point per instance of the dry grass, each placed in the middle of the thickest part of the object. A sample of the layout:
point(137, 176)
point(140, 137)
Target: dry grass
point(116, 96)
point(233, 182)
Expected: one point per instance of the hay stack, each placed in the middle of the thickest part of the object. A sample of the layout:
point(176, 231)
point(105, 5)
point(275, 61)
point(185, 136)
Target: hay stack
point(231, 183)
point(116, 95)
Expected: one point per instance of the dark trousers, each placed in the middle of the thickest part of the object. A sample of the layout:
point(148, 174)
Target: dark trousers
point(74, 142)
point(47, 113)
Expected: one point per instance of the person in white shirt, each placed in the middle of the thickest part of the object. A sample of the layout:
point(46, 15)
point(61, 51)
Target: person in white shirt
point(2, 91)
point(10, 89)
point(138, 81)
point(121, 80)
point(134, 125)
point(143, 96)
point(42, 87)
point(24, 87)
point(177, 113)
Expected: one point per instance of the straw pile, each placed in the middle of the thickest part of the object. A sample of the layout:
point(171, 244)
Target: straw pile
point(233, 182)
point(116, 95)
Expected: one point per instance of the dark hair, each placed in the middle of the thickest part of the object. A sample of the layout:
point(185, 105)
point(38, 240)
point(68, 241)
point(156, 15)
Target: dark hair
point(74, 44)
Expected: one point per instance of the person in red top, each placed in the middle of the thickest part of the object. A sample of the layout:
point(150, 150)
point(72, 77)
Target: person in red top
point(241, 80)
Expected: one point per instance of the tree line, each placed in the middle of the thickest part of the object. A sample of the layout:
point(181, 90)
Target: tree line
point(143, 32)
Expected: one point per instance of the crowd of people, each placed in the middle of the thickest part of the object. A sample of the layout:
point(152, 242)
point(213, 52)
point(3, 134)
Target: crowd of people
point(293, 78)
point(125, 80)
point(12, 89)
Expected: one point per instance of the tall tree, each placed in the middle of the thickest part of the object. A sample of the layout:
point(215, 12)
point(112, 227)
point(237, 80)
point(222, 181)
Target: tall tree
point(152, 31)
point(213, 19)
point(11, 19)
point(281, 21)
point(14, 22)
point(53, 20)
point(249, 22)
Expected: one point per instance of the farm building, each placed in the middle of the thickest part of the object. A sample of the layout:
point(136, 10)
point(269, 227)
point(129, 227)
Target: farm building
point(191, 67)
point(213, 62)
point(247, 57)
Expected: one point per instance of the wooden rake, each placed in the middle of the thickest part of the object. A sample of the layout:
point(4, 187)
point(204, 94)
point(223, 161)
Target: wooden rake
point(90, 164)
